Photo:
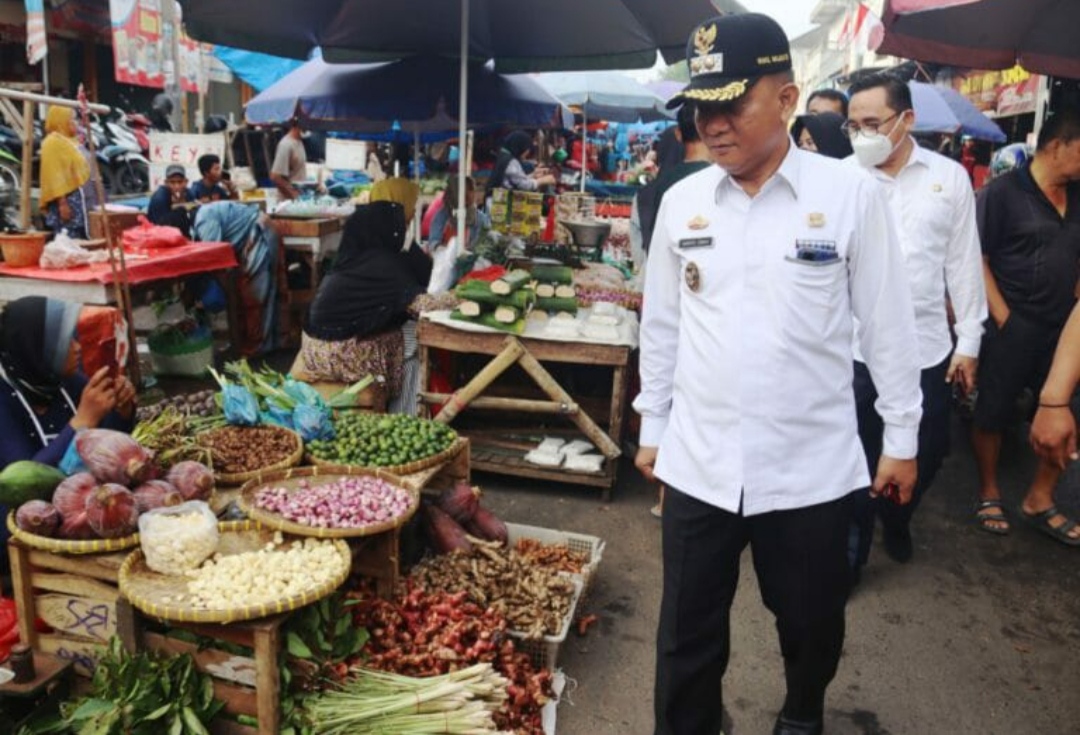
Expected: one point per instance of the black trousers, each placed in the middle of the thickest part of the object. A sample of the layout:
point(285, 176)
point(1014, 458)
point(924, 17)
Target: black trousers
point(802, 570)
point(933, 449)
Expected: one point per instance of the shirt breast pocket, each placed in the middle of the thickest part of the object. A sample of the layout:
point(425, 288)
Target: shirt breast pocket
point(814, 283)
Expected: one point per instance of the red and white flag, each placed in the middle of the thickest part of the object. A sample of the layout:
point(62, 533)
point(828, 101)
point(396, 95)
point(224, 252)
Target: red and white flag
point(869, 30)
point(37, 44)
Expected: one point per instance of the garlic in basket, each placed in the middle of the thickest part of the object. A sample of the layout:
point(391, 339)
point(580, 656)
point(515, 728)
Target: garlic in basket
point(178, 538)
point(275, 572)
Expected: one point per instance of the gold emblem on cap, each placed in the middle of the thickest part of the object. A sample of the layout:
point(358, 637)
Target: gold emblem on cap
point(698, 223)
point(815, 219)
point(705, 39)
point(728, 92)
point(693, 277)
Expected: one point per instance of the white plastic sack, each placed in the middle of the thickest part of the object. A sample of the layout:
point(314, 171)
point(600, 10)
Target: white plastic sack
point(178, 538)
point(444, 261)
point(63, 252)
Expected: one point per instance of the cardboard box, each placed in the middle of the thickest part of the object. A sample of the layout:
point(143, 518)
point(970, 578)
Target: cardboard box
point(118, 222)
point(293, 227)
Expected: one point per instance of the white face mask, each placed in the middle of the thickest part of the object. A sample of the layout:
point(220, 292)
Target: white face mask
point(872, 150)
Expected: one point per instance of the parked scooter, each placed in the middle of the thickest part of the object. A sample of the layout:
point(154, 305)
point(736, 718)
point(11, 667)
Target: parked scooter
point(124, 157)
point(10, 189)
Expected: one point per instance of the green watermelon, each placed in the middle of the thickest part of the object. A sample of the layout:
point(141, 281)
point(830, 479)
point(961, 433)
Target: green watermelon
point(26, 480)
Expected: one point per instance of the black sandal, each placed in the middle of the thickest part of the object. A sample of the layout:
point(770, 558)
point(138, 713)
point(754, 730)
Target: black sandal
point(984, 519)
point(1060, 533)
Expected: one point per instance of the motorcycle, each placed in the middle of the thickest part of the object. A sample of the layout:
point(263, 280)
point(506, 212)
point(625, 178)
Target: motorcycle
point(10, 190)
point(129, 167)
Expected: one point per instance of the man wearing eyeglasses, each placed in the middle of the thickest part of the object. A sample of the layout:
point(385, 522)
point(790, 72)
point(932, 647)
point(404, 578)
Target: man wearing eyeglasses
point(933, 205)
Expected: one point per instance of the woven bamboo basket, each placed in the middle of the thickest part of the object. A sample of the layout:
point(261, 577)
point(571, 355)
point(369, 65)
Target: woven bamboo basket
point(71, 546)
point(156, 594)
point(239, 478)
point(399, 469)
point(290, 480)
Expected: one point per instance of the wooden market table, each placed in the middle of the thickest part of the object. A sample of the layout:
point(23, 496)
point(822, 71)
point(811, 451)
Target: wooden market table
point(93, 284)
point(490, 454)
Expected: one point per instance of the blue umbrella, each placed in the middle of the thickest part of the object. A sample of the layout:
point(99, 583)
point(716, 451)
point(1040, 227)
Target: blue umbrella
point(605, 95)
point(944, 110)
point(419, 94)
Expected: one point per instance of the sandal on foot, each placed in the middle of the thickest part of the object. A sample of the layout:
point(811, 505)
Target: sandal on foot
point(657, 511)
point(1060, 533)
point(985, 519)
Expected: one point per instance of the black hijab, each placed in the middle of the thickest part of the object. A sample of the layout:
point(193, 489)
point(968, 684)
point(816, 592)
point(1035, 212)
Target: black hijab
point(35, 336)
point(669, 154)
point(825, 129)
point(372, 281)
point(516, 145)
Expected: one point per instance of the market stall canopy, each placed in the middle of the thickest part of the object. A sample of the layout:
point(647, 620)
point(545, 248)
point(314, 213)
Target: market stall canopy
point(666, 89)
point(554, 35)
point(1040, 35)
point(944, 110)
point(421, 94)
point(258, 70)
point(605, 95)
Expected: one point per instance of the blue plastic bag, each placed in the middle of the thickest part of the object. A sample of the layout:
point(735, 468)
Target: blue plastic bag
point(241, 408)
point(71, 463)
point(312, 423)
point(277, 416)
point(303, 393)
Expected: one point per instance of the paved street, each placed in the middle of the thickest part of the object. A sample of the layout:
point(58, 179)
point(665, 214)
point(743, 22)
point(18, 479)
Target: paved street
point(978, 634)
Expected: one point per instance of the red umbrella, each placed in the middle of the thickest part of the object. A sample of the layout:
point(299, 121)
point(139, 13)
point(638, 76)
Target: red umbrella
point(1040, 35)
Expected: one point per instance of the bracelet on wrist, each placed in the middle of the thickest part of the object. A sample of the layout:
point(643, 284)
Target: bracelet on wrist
point(1054, 405)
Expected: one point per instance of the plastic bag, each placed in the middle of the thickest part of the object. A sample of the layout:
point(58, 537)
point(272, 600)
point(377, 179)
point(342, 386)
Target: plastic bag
point(303, 393)
point(9, 627)
point(312, 422)
point(63, 252)
point(178, 538)
point(277, 416)
point(146, 236)
point(71, 463)
point(443, 268)
point(240, 407)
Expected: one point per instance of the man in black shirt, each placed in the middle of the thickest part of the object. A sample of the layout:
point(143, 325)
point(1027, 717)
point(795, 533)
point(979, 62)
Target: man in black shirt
point(1029, 222)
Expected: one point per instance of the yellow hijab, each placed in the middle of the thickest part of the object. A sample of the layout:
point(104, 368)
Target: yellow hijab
point(403, 191)
point(63, 168)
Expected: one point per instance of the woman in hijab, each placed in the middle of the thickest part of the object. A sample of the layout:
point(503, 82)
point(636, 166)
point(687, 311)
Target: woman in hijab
point(256, 246)
point(357, 322)
point(44, 398)
point(822, 133)
point(509, 173)
point(445, 223)
point(64, 171)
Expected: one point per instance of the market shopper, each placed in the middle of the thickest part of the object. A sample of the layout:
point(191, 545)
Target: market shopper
point(822, 133)
point(64, 172)
point(444, 225)
point(827, 100)
point(931, 196)
point(355, 325)
point(760, 270)
point(168, 204)
point(509, 173)
point(289, 169)
point(258, 250)
point(212, 187)
point(1029, 222)
point(1053, 430)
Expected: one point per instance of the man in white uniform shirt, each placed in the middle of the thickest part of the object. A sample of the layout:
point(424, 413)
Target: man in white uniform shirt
point(757, 267)
point(934, 207)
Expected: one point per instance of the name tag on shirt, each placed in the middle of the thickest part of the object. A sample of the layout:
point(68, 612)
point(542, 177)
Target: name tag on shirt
point(691, 243)
point(814, 252)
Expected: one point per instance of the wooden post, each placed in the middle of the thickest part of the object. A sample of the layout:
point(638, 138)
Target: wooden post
point(24, 592)
point(521, 405)
point(267, 676)
point(498, 365)
point(27, 164)
point(584, 422)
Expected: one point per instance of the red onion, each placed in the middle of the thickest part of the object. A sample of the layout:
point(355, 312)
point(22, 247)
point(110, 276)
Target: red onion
point(351, 502)
point(193, 480)
point(38, 517)
point(155, 494)
point(113, 456)
point(111, 511)
point(70, 495)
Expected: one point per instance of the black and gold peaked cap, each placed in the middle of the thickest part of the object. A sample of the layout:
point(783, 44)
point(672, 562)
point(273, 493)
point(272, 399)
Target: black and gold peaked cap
point(727, 54)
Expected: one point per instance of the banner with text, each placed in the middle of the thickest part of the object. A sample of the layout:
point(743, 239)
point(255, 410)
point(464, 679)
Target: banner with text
point(138, 42)
point(184, 149)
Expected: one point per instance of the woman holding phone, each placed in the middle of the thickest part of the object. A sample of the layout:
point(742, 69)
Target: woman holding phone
point(44, 396)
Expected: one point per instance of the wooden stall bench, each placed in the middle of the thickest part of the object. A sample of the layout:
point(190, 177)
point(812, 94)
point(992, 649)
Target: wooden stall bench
point(495, 451)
